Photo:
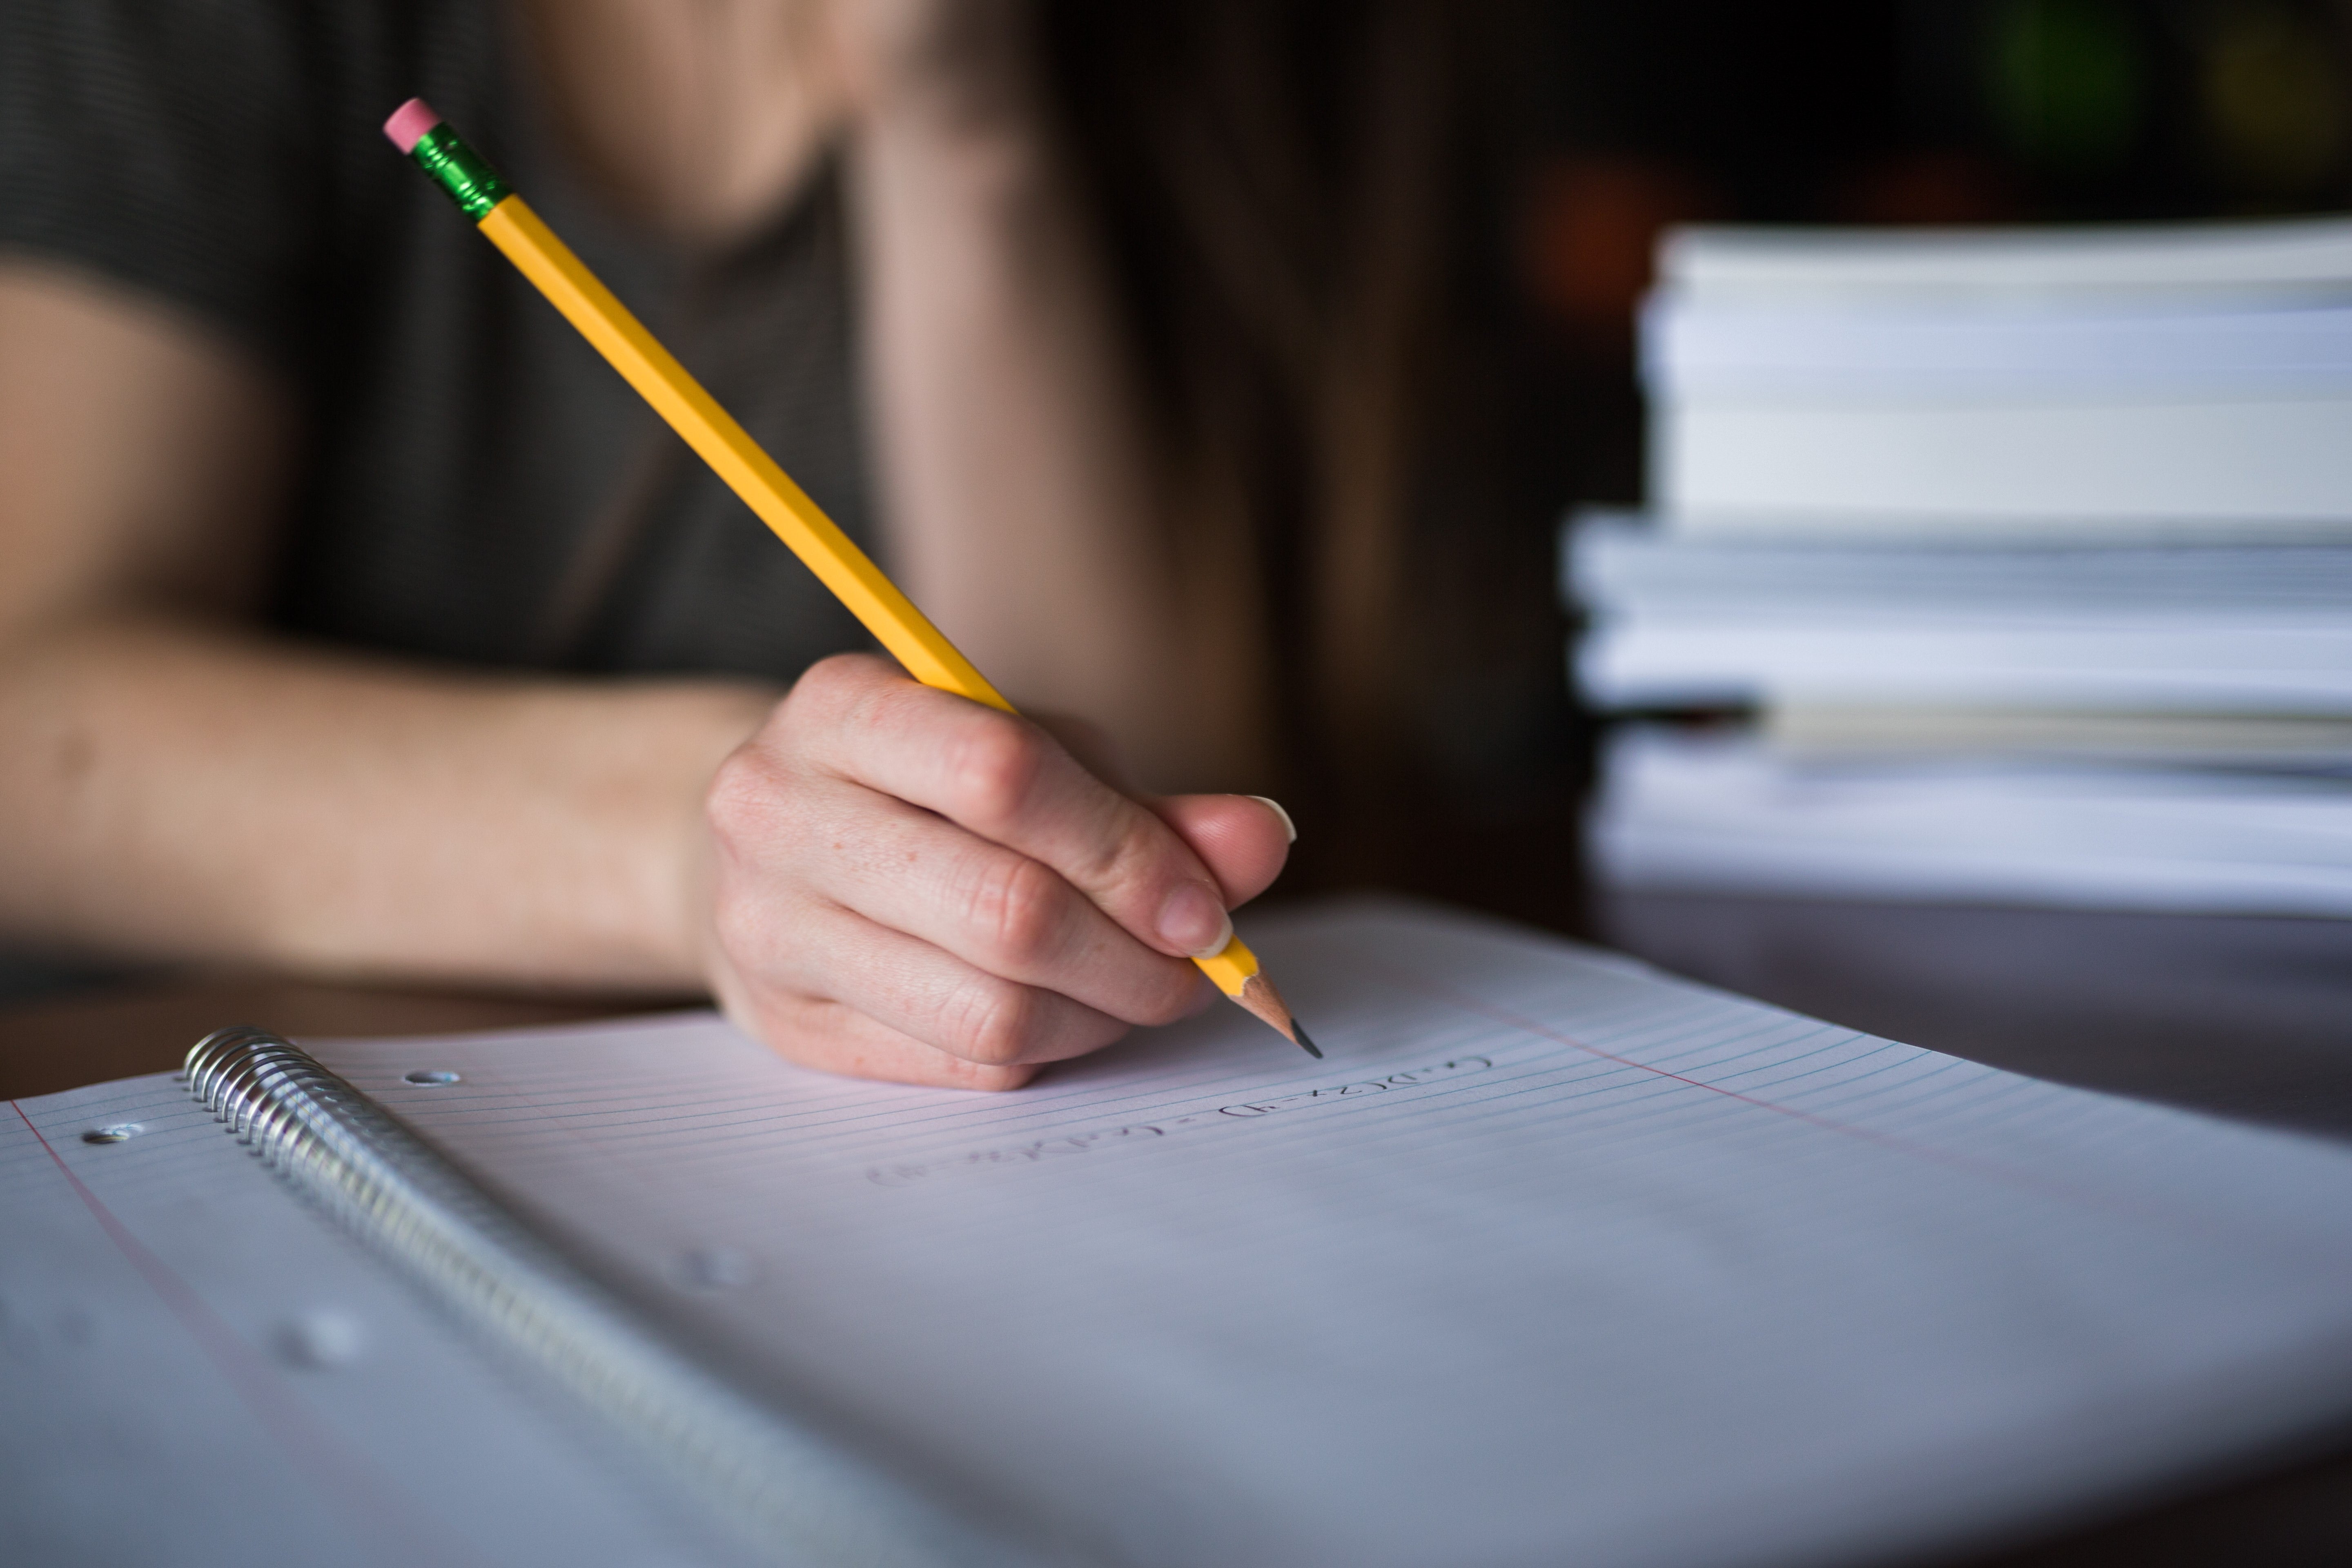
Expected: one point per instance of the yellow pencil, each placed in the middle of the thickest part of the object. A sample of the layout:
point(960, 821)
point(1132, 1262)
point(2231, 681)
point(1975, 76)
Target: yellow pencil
point(748, 471)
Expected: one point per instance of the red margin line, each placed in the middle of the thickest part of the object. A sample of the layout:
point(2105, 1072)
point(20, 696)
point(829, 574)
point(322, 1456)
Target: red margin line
point(298, 1428)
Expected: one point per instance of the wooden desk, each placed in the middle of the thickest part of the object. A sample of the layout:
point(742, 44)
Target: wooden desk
point(2292, 1512)
point(90, 1037)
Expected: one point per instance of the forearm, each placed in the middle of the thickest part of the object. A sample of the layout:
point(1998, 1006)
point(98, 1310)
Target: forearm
point(174, 791)
point(1009, 436)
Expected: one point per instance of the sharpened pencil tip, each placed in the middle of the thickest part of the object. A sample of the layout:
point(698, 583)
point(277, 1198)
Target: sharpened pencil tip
point(1259, 996)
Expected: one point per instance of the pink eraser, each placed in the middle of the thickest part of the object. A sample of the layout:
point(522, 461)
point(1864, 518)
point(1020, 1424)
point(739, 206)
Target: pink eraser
point(409, 123)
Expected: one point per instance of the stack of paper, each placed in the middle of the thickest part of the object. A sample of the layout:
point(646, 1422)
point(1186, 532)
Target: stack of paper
point(1732, 811)
point(2028, 555)
point(2087, 384)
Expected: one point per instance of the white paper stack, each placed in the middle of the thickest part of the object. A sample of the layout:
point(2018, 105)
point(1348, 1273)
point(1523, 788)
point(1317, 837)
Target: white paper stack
point(2027, 557)
point(2093, 384)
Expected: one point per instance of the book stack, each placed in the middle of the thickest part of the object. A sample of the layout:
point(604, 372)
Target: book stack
point(2013, 568)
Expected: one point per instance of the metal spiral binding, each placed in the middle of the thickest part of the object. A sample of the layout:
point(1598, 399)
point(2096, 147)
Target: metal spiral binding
point(797, 1500)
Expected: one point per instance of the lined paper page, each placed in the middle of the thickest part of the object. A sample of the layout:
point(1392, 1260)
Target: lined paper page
point(196, 1369)
point(1551, 1260)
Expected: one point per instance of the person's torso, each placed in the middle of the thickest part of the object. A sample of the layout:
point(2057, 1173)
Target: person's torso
point(478, 486)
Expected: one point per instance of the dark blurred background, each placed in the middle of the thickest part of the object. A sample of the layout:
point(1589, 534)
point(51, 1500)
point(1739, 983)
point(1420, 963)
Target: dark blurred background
point(1607, 122)
point(1934, 111)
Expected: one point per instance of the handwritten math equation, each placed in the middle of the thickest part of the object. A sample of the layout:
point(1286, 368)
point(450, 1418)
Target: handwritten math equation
point(1035, 1151)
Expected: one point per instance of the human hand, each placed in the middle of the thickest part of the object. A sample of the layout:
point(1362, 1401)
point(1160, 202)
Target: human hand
point(908, 885)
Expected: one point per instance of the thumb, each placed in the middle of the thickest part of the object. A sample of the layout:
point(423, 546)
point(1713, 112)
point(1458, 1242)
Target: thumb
point(1244, 839)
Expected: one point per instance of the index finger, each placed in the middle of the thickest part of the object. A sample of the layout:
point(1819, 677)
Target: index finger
point(1003, 778)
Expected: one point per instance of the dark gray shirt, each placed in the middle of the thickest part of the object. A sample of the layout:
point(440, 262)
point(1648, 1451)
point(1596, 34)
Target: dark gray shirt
point(477, 485)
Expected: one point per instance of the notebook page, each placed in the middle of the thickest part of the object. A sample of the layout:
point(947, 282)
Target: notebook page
point(1553, 1259)
point(197, 1369)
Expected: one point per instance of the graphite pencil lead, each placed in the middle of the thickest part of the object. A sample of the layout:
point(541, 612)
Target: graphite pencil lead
point(1258, 996)
point(1298, 1033)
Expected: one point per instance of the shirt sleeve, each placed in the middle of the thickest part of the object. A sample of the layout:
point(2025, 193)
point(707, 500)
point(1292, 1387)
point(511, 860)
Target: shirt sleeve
point(161, 146)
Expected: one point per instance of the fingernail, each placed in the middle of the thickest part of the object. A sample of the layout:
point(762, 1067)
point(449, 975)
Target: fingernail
point(1274, 806)
point(1193, 920)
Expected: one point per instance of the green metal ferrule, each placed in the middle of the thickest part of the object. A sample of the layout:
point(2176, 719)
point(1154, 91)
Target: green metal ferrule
point(472, 184)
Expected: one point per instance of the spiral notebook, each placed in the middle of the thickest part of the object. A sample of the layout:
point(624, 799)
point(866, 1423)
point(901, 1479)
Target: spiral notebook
point(1553, 1259)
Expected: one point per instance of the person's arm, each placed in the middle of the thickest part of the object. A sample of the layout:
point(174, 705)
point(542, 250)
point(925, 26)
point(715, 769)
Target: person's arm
point(884, 879)
point(1007, 422)
point(1004, 428)
point(177, 787)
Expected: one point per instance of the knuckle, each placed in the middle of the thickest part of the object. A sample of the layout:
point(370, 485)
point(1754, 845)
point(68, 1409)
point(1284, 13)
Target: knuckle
point(995, 1022)
point(1016, 906)
point(991, 768)
point(1131, 854)
point(1134, 861)
point(834, 678)
point(741, 796)
point(830, 693)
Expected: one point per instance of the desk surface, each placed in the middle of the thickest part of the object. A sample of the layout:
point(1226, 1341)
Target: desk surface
point(2249, 1019)
point(147, 1025)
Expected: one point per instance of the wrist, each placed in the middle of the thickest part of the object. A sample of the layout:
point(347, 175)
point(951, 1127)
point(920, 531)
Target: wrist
point(681, 872)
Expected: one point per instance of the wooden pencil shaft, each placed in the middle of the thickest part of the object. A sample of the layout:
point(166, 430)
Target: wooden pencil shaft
point(765, 488)
point(719, 441)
